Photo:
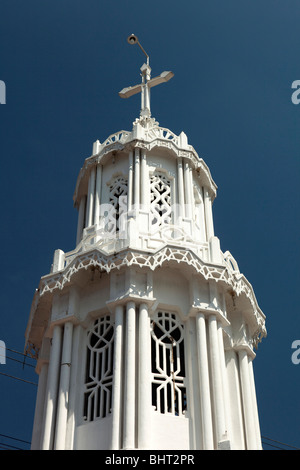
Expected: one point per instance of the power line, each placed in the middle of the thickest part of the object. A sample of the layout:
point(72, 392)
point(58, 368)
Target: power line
point(16, 352)
point(271, 445)
point(278, 442)
point(16, 360)
point(8, 445)
point(18, 378)
point(15, 438)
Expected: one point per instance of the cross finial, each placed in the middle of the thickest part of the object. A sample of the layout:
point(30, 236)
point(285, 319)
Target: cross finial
point(147, 82)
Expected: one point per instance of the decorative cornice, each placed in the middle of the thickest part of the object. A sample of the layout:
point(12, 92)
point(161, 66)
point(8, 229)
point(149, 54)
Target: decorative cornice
point(167, 254)
point(149, 139)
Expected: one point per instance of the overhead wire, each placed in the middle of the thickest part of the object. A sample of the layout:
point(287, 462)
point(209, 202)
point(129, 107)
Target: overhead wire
point(10, 446)
point(278, 442)
point(18, 378)
point(271, 445)
point(4, 445)
point(15, 438)
point(18, 361)
point(14, 351)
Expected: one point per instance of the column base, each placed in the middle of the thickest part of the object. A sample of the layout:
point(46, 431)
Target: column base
point(224, 445)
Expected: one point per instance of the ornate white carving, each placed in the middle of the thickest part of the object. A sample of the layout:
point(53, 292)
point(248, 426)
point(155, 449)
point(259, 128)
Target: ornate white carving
point(167, 254)
point(168, 367)
point(157, 132)
point(99, 369)
point(160, 200)
point(118, 190)
point(121, 136)
point(156, 137)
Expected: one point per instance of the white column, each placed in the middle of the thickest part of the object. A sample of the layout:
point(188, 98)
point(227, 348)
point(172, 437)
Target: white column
point(144, 383)
point(98, 193)
point(206, 416)
point(208, 215)
point(143, 186)
point(130, 180)
point(181, 201)
point(224, 381)
point(39, 408)
point(247, 400)
point(90, 198)
point(202, 217)
point(136, 200)
point(129, 392)
point(63, 394)
point(192, 384)
point(51, 396)
point(80, 223)
point(174, 204)
point(216, 378)
point(254, 404)
point(117, 380)
point(237, 431)
point(78, 332)
point(191, 191)
point(188, 202)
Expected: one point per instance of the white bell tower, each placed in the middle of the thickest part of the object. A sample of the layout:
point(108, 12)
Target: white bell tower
point(144, 334)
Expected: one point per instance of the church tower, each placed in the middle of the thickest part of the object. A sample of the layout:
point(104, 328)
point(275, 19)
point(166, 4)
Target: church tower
point(145, 333)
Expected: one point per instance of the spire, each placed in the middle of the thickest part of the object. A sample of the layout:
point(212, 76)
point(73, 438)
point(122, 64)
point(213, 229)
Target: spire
point(147, 82)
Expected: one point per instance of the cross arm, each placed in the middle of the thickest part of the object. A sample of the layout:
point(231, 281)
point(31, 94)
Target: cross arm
point(133, 90)
point(129, 91)
point(163, 77)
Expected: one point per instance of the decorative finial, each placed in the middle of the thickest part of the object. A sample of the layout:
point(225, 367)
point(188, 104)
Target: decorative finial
point(147, 82)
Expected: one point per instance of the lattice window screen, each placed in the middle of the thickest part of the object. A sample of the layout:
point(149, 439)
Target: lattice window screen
point(99, 369)
point(168, 368)
point(118, 198)
point(160, 207)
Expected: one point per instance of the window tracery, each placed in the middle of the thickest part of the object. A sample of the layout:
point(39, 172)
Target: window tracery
point(168, 367)
point(99, 369)
point(160, 201)
point(118, 198)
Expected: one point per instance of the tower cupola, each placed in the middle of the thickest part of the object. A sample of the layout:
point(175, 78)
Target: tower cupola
point(145, 333)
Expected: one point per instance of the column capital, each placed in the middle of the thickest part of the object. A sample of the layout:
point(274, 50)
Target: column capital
point(207, 312)
point(144, 305)
point(244, 347)
point(112, 304)
point(61, 322)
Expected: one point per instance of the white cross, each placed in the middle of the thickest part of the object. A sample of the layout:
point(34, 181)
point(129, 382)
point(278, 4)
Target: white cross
point(147, 82)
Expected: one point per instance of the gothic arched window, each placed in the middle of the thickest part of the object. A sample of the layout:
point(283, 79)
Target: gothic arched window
point(99, 369)
point(168, 367)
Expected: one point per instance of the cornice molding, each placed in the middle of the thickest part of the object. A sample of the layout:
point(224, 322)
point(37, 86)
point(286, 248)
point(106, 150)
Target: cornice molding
point(125, 141)
point(167, 254)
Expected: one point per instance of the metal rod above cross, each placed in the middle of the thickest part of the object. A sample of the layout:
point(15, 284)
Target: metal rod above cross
point(147, 82)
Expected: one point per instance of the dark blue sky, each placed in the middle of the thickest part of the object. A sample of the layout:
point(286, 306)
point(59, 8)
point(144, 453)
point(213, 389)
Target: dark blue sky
point(63, 63)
